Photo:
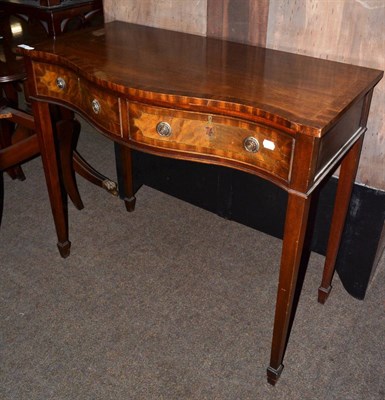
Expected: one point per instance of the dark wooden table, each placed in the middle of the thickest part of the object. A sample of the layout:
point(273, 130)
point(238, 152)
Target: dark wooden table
point(287, 118)
point(56, 16)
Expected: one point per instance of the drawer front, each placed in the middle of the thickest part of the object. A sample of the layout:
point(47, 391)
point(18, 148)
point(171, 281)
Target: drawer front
point(96, 104)
point(226, 138)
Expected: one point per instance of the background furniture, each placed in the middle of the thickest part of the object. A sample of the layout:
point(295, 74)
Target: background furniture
point(28, 22)
point(56, 16)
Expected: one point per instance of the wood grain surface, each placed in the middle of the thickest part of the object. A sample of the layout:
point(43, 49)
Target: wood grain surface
point(178, 15)
point(242, 21)
point(350, 31)
point(215, 135)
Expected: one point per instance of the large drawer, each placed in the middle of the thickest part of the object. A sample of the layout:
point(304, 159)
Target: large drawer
point(96, 104)
point(247, 143)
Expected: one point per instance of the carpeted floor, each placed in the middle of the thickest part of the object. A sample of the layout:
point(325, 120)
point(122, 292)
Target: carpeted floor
point(168, 302)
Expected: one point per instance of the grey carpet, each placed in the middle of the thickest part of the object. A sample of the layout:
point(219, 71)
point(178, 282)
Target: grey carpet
point(168, 302)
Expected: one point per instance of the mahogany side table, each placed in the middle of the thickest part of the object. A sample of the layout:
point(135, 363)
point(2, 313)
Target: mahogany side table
point(287, 118)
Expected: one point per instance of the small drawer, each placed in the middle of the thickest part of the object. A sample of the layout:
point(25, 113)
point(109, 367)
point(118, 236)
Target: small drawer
point(225, 138)
point(94, 103)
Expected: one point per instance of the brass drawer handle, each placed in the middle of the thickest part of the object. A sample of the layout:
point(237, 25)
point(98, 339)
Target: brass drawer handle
point(251, 144)
point(163, 129)
point(96, 107)
point(61, 83)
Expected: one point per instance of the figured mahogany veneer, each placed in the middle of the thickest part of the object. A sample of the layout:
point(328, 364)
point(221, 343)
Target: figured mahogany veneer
point(287, 118)
point(214, 135)
point(79, 94)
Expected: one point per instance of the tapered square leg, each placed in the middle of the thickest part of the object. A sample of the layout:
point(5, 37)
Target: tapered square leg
point(64, 249)
point(341, 205)
point(297, 215)
point(57, 196)
point(274, 374)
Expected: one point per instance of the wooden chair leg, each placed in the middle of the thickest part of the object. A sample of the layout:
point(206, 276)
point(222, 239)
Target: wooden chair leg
point(81, 166)
point(7, 127)
point(13, 155)
point(6, 130)
point(67, 130)
point(19, 152)
point(85, 170)
point(68, 134)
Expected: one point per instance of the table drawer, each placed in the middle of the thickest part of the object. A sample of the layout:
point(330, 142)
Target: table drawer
point(226, 138)
point(94, 103)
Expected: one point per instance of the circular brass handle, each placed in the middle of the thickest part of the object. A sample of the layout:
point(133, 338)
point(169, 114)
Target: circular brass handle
point(61, 83)
point(163, 129)
point(96, 107)
point(251, 144)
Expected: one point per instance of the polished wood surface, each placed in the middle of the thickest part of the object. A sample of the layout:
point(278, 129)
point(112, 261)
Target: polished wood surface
point(287, 118)
point(212, 66)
